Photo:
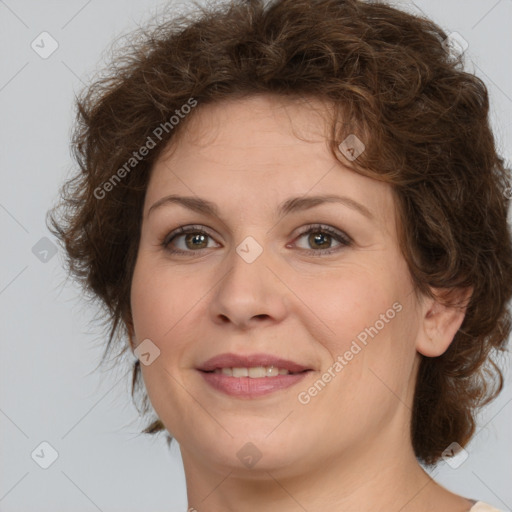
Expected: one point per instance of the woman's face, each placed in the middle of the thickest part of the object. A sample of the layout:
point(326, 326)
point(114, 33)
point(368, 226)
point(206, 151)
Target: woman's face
point(250, 279)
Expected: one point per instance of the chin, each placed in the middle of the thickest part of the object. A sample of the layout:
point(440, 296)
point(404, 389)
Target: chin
point(256, 453)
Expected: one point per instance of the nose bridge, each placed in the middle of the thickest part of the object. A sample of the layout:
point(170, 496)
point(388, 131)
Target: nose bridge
point(247, 278)
point(249, 289)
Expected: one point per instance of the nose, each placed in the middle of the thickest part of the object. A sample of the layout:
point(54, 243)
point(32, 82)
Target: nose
point(249, 293)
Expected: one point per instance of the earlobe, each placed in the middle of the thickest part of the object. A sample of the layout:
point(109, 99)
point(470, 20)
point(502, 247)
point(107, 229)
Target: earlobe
point(440, 323)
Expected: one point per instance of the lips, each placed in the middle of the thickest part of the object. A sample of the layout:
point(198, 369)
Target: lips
point(250, 386)
point(229, 360)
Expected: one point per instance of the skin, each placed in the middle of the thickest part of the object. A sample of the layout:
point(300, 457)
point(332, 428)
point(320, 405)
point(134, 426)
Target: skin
point(349, 448)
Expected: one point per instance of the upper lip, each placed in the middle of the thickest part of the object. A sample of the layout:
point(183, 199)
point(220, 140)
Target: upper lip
point(229, 360)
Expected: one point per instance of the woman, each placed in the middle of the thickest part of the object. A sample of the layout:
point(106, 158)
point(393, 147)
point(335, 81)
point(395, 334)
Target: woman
point(295, 215)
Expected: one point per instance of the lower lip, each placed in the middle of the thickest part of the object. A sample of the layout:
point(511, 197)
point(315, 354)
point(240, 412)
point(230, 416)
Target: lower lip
point(246, 387)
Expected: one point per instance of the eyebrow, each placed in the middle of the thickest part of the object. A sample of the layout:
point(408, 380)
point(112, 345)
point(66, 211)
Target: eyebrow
point(293, 204)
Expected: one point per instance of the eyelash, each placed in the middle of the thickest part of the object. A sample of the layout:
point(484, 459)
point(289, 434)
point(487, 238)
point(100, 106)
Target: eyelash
point(339, 236)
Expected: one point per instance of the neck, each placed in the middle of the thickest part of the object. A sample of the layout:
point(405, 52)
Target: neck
point(384, 476)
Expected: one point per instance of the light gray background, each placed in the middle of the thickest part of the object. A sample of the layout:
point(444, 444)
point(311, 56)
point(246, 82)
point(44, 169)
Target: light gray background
point(50, 390)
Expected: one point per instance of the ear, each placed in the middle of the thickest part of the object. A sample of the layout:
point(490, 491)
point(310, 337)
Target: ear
point(440, 323)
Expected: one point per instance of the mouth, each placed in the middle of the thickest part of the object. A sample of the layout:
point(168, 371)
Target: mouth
point(251, 365)
point(250, 376)
point(254, 372)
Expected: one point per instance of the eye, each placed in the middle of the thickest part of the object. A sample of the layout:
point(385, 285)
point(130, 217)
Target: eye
point(195, 238)
point(321, 237)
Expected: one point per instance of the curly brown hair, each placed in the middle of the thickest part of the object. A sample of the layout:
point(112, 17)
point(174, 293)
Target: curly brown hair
point(392, 79)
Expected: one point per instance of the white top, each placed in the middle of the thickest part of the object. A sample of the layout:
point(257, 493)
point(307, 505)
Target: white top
point(480, 506)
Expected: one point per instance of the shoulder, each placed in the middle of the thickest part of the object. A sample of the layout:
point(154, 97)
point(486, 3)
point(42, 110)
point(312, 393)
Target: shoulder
point(480, 506)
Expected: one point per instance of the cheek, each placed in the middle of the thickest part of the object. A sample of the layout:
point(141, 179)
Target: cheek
point(158, 300)
point(162, 311)
point(349, 302)
point(368, 325)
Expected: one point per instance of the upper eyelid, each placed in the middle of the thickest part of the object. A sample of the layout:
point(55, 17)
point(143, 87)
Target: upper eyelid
point(186, 229)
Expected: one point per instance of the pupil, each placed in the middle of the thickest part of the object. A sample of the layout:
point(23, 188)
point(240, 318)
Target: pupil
point(318, 237)
point(193, 237)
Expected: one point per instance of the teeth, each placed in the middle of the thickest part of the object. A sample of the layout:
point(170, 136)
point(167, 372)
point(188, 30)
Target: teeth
point(240, 372)
point(255, 372)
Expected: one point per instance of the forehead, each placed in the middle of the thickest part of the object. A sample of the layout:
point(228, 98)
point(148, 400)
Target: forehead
point(261, 124)
point(263, 148)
